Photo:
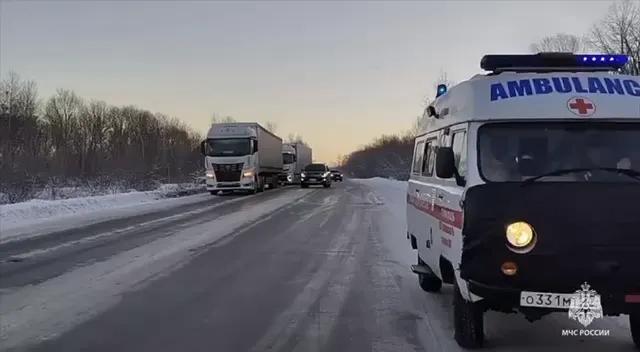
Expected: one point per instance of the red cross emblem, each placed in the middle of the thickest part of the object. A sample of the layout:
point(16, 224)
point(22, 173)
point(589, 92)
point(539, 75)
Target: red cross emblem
point(581, 106)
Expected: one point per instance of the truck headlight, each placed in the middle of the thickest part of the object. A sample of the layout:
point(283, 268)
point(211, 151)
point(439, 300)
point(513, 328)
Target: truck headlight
point(210, 175)
point(247, 173)
point(303, 175)
point(520, 236)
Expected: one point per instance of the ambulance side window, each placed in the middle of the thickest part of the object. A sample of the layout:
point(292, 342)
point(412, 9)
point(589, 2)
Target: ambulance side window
point(430, 157)
point(459, 146)
point(418, 157)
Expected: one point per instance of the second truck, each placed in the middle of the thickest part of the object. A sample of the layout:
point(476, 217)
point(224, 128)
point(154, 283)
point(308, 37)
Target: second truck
point(241, 156)
point(295, 156)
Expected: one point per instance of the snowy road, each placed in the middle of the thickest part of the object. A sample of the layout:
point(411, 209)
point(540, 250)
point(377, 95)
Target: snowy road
point(285, 270)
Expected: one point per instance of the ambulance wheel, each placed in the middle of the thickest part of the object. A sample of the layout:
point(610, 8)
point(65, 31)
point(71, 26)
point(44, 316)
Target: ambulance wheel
point(468, 321)
point(634, 324)
point(428, 283)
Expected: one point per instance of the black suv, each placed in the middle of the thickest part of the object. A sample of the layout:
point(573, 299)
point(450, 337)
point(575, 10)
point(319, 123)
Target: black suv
point(336, 175)
point(315, 174)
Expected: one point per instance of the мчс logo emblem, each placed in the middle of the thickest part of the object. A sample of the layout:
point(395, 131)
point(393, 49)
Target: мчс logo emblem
point(585, 305)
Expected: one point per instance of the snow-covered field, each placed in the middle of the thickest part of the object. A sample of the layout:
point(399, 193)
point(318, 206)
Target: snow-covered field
point(38, 215)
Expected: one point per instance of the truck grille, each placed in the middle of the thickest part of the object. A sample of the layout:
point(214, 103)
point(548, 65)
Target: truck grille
point(227, 172)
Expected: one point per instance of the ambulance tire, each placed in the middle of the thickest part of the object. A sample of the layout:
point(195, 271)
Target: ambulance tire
point(428, 283)
point(468, 321)
point(634, 324)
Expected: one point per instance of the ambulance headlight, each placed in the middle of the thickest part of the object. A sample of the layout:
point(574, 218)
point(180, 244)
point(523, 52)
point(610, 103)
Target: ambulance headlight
point(210, 175)
point(521, 236)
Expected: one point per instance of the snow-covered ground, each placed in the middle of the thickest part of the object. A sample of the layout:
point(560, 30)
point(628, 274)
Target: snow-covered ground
point(37, 215)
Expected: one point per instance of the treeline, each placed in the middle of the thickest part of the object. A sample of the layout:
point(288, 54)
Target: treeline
point(388, 156)
point(66, 140)
point(618, 32)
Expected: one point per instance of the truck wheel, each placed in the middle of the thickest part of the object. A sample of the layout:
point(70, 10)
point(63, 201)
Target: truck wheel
point(468, 321)
point(428, 283)
point(634, 324)
point(260, 181)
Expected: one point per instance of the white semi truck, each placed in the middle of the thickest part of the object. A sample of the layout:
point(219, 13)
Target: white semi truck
point(241, 156)
point(295, 156)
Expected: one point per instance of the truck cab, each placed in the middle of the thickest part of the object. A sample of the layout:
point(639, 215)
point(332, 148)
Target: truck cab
point(289, 161)
point(241, 156)
point(523, 191)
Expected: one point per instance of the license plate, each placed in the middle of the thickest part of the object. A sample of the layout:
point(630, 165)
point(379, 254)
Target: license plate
point(546, 299)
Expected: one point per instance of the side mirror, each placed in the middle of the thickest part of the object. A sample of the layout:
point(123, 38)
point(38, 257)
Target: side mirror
point(445, 163)
point(203, 147)
point(255, 147)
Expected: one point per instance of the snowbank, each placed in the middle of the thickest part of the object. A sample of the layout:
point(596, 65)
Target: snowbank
point(30, 213)
point(392, 195)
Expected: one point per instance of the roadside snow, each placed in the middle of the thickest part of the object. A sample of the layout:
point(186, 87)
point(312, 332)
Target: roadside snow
point(392, 195)
point(35, 216)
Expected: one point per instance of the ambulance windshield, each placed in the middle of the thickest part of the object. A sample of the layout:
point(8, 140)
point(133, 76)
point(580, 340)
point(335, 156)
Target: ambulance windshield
point(514, 152)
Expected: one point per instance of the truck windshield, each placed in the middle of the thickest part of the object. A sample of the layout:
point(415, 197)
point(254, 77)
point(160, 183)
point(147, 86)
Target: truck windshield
point(514, 152)
point(288, 158)
point(228, 147)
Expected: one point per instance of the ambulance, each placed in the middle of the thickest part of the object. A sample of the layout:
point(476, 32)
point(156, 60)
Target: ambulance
point(524, 192)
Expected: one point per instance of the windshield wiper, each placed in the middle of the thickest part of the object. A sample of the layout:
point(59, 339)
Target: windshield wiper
point(627, 172)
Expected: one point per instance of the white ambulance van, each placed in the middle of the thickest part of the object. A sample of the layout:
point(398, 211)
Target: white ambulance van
point(525, 191)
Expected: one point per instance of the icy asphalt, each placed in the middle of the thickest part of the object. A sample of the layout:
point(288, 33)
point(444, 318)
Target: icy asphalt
point(286, 270)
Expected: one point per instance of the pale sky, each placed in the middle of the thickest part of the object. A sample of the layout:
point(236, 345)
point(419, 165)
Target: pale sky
point(338, 73)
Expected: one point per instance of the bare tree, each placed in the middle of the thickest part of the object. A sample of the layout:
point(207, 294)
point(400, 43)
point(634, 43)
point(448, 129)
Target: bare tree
point(295, 138)
point(619, 32)
point(271, 126)
point(560, 42)
point(215, 118)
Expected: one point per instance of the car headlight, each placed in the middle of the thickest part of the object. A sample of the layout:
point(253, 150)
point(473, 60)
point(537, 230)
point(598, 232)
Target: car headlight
point(303, 175)
point(520, 236)
point(326, 174)
point(210, 175)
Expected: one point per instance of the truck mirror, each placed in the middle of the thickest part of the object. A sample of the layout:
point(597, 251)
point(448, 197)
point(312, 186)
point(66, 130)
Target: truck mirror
point(445, 162)
point(203, 147)
point(255, 147)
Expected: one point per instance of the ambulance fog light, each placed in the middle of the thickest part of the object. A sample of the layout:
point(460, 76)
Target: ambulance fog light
point(509, 268)
point(521, 237)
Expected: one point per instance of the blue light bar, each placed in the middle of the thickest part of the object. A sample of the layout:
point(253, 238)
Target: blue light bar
point(551, 61)
point(441, 90)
